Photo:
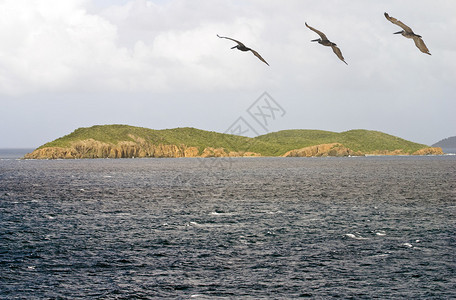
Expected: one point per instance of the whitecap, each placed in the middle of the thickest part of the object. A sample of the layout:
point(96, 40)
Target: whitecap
point(383, 255)
point(214, 213)
point(408, 245)
point(380, 233)
point(351, 235)
point(274, 212)
point(122, 214)
point(380, 255)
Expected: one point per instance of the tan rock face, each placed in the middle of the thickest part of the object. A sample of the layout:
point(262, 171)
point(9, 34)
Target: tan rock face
point(424, 151)
point(221, 152)
point(336, 149)
point(333, 149)
point(140, 148)
point(429, 151)
point(128, 149)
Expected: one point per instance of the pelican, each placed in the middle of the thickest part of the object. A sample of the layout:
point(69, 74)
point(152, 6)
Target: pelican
point(242, 47)
point(408, 33)
point(323, 40)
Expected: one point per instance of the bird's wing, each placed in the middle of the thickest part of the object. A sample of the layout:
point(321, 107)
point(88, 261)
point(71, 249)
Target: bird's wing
point(321, 34)
point(337, 51)
point(421, 45)
point(398, 23)
point(259, 56)
point(224, 37)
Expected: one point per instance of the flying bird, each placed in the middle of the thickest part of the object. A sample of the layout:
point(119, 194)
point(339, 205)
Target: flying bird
point(242, 47)
point(323, 40)
point(408, 33)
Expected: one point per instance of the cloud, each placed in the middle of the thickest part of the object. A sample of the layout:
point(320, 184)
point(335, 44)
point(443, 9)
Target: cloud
point(60, 46)
point(141, 45)
point(48, 45)
point(164, 57)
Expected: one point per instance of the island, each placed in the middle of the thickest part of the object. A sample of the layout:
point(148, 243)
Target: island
point(448, 144)
point(124, 141)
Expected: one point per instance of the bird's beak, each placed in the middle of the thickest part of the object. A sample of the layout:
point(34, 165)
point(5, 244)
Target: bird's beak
point(233, 47)
point(399, 32)
point(315, 40)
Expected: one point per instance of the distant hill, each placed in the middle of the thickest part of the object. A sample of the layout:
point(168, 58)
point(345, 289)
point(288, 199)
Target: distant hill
point(448, 145)
point(124, 141)
point(365, 141)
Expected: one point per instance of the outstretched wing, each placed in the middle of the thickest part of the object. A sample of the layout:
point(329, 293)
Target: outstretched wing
point(224, 37)
point(259, 56)
point(337, 51)
point(421, 45)
point(398, 23)
point(321, 34)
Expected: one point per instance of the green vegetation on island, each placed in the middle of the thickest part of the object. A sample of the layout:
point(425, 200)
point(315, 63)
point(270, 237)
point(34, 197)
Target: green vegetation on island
point(115, 141)
point(190, 137)
point(366, 141)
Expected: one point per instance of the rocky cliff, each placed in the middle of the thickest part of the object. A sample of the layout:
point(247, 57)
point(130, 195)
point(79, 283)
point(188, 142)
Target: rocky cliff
point(124, 141)
point(128, 149)
point(336, 149)
point(333, 149)
point(429, 151)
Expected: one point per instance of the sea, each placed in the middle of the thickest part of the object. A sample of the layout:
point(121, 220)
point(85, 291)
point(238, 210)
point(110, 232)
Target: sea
point(228, 228)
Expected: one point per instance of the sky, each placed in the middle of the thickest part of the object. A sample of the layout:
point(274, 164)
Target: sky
point(159, 64)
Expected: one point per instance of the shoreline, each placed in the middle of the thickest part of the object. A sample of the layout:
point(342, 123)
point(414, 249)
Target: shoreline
point(233, 157)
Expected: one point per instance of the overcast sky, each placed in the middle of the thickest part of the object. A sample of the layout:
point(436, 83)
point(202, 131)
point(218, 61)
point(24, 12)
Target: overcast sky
point(159, 64)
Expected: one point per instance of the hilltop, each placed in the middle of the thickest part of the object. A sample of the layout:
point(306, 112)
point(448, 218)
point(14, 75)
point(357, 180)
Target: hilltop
point(124, 141)
point(449, 142)
point(448, 145)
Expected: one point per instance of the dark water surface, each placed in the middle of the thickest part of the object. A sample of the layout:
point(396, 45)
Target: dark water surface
point(255, 228)
point(12, 153)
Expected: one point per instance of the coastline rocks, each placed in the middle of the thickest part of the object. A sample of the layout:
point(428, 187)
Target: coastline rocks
point(139, 148)
point(429, 151)
point(424, 151)
point(333, 149)
point(220, 152)
point(128, 149)
point(337, 149)
point(388, 152)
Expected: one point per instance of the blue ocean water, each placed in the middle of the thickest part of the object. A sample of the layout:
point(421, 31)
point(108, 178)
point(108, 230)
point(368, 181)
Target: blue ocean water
point(12, 153)
point(449, 150)
point(244, 228)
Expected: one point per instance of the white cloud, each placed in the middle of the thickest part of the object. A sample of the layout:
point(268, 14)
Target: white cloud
point(46, 45)
point(59, 46)
point(147, 50)
point(141, 45)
